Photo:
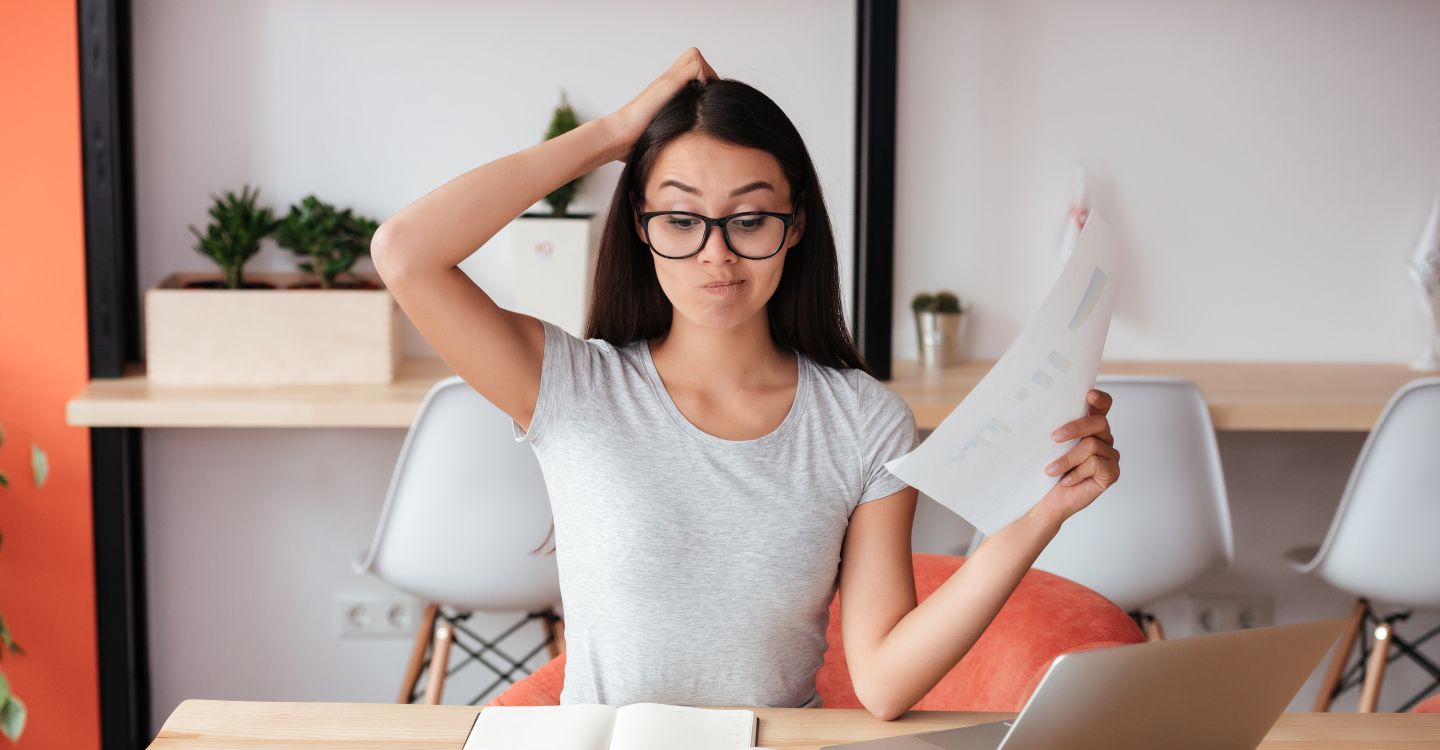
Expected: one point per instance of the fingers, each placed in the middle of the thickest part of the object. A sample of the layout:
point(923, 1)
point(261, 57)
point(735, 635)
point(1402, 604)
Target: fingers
point(1095, 424)
point(1099, 401)
point(1104, 471)
point(1083, 450)
point(692, 64)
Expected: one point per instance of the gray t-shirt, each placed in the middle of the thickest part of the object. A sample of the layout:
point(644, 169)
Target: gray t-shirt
point(697, 570)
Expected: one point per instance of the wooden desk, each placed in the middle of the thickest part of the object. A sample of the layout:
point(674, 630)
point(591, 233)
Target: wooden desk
point(197, 724)
point(1242, 396)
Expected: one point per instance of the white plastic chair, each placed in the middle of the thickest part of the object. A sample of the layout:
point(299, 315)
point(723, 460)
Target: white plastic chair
point(1384, 542)
point(1167, 520)
point(466, 507)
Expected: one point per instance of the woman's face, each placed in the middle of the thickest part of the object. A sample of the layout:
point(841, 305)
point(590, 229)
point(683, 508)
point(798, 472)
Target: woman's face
point(703, 175)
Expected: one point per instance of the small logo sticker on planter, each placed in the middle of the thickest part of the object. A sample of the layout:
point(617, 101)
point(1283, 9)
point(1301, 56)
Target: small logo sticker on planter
point(545, 251)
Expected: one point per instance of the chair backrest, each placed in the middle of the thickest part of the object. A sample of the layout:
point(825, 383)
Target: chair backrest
point(466, 507)
point(1383, 542)
point(1168, 518)
point(999, 672)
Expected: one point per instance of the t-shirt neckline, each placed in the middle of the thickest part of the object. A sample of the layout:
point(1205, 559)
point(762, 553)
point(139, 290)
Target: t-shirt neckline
point(797, 406)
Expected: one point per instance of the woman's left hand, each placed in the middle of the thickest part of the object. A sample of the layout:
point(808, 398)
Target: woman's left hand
point(1090, 467)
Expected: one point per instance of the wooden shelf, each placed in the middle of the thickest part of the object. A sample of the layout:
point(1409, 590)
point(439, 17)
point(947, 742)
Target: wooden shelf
point(131, 401)
point(1315, 396)
point(1242, 395)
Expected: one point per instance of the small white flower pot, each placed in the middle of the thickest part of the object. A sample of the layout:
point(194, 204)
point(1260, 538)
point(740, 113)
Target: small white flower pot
point(554, 266)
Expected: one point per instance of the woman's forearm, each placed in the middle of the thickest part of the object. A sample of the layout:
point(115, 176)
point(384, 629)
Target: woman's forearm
point(449, 223)
point(931, 639)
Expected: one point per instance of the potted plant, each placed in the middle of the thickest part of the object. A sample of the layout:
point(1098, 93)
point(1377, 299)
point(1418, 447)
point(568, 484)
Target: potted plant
point(553, 255)
point(327, 242)
point(237, 225)
point(938, 321)
point(275, 328)
point(12, 709)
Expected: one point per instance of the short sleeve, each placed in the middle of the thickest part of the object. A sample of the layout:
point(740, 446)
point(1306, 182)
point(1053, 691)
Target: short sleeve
point(568, 374)
point(887, 431)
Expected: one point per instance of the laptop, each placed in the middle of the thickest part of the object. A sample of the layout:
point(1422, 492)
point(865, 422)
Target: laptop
point(1214, 692)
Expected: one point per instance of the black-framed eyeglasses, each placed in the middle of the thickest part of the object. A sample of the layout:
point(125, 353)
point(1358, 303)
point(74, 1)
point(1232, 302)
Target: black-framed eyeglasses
point(755, 235)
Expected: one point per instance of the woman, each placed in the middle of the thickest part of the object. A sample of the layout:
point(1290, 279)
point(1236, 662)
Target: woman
point(714, 450)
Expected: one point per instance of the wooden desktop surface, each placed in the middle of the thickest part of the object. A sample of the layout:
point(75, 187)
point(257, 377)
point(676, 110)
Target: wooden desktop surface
point(207, 724)
point(1242, 396)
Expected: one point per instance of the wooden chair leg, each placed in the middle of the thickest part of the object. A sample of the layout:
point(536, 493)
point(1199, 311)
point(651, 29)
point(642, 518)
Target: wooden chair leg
point(1375, 670)
point(439, 662)
point(1153, 630)
point(423, 635)
point(555, 628)
point(1342, 655)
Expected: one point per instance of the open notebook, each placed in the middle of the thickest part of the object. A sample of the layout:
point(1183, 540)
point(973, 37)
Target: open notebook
point(638, 726)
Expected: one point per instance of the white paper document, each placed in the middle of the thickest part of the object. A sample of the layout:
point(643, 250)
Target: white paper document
point(986, 461)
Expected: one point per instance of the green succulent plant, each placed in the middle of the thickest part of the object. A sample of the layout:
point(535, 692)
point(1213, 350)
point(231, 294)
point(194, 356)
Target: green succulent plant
point(328, 241)
point(563, 122)
point(12, 709)
point(943, 302)
point(237, 225)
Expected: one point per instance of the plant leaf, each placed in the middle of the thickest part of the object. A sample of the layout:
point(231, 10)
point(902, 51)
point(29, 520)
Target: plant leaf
point(12, 718)
point(4, 688)
point(39, 465)
point(4, 480)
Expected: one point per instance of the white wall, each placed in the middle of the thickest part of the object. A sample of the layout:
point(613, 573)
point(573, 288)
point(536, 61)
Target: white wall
point(371, 104)
point(1267, 168)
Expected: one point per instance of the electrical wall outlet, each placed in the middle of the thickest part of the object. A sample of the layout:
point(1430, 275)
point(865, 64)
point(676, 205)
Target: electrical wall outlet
point(1217, 613)
point(371, 616)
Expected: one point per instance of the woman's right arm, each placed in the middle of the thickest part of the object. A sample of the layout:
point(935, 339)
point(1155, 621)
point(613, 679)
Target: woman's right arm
point(417, 251)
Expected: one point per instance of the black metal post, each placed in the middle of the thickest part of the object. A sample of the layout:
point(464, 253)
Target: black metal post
point(877, 47)
point(112, 306)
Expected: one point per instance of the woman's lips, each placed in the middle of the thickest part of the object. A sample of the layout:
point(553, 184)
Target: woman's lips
point(724, 289)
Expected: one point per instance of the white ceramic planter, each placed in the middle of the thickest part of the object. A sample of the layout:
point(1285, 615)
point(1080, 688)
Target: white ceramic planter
point(270, 336)
point(554, 266)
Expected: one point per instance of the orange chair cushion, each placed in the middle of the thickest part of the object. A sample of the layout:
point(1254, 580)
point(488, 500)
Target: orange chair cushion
point(1430, 705)
point(1045, 617)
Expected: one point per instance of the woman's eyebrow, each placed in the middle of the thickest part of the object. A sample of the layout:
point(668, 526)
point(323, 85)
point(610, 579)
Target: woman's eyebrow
point(756, 185)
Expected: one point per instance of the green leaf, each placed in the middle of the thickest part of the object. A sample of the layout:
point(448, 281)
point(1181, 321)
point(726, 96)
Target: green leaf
point(4, 480)
point(12, 718)
point(4, 688)
point(39, 465)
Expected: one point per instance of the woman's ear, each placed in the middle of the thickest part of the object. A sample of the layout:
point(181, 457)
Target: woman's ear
point(798, 230)
point(635, 205)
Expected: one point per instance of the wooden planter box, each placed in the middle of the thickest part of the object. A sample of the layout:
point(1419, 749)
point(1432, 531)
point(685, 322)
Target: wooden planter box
point(270, 336)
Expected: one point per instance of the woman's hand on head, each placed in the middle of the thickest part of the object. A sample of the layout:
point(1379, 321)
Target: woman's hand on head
point(628, 122)
point(1087, 469)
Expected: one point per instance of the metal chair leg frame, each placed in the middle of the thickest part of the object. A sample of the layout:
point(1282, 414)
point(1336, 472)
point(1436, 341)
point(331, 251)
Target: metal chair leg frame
point(1396, 648)
point(456, 622)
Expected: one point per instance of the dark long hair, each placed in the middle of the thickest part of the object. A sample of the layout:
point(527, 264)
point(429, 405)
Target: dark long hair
point(805, 311)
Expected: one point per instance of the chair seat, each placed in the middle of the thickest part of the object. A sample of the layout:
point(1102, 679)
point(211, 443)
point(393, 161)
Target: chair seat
point(1430, 705)
point(1046, 616)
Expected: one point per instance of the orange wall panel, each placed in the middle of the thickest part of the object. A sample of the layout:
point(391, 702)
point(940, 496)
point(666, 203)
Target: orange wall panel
point(47, 583)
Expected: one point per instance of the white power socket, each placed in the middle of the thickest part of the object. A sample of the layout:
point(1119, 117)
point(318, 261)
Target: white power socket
point(371, 616)
point(1216, 613)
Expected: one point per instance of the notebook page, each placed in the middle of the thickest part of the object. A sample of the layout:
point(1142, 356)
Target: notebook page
point(577, 727)
point(658, 726)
